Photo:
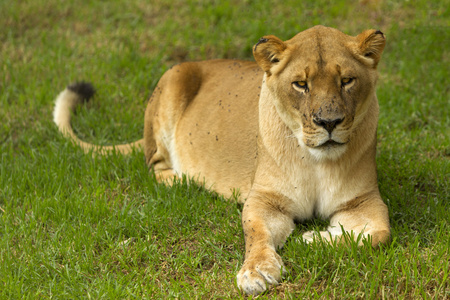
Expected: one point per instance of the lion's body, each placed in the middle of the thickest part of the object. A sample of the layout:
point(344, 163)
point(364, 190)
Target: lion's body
point(218, 114)
point(293, 133)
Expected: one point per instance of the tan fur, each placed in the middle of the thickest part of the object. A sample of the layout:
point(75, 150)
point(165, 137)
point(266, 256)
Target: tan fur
point(293, 133)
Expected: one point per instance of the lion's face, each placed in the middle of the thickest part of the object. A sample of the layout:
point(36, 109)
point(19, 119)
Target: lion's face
point(321, 82)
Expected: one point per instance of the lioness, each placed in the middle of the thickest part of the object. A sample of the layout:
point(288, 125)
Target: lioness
point(294, 133)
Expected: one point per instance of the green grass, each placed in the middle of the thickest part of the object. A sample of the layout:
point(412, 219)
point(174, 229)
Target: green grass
point(73, 226)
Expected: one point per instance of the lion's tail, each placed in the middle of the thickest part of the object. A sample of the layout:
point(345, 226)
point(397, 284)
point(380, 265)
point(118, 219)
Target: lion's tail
point(66, 102)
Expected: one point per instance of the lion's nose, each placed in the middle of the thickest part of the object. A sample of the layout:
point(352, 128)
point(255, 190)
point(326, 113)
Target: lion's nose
point(329, 125)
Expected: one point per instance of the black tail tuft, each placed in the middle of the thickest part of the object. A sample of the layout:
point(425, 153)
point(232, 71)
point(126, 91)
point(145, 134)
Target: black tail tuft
point(84, 89)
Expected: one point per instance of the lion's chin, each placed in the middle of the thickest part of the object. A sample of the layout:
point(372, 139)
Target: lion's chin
point(329, 150)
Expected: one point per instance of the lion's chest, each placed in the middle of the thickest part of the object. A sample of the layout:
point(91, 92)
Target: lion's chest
point(316, 191)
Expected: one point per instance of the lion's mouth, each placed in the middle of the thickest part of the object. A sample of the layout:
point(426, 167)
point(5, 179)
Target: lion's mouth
point(330, 144)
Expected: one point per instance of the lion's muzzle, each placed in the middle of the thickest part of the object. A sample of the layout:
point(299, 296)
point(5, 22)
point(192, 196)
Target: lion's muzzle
point(328, 124)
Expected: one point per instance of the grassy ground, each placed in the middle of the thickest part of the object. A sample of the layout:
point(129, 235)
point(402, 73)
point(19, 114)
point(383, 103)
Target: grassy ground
point(73, 226)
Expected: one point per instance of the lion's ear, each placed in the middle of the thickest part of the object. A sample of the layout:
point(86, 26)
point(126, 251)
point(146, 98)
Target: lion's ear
point(370, 45)
point(268, 51)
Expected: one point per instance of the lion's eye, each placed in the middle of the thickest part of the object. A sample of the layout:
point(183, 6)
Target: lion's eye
point(302, 85)
point(346, 81)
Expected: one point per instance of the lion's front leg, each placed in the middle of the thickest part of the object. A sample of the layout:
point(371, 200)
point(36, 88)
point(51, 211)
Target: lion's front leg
point(266, 224)
point(366, 215)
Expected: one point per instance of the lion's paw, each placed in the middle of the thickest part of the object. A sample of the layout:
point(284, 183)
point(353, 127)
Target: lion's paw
point(259, 273)
point(308, 236)
point(332, 233)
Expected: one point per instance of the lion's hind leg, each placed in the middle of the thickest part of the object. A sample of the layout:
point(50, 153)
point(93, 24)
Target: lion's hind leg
point(157, 155)
point(175, 90)
point(162, 168)
point(359, 219)
point(166, 176)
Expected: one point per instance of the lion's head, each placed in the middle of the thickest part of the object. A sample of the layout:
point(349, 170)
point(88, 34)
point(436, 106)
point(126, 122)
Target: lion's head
point(322, 81)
